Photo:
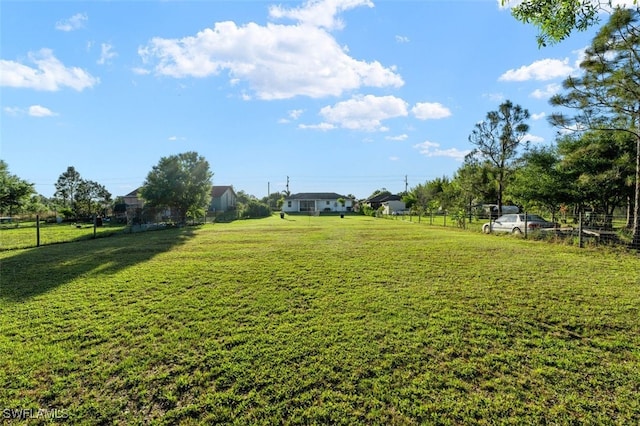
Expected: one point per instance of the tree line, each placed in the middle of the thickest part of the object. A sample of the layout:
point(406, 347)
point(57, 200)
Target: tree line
point(180, 184)
point(594, 164)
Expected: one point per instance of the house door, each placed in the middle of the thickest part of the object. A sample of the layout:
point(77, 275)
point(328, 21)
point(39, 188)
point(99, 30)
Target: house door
point(307, 205)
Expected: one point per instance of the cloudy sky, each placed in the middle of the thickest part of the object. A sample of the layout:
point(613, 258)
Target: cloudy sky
point(342, 96)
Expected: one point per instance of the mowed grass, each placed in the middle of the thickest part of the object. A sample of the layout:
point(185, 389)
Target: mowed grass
point(26, 234)
point(321, 320)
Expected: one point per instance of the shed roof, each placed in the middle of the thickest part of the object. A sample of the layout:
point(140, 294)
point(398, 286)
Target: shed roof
point(381, 198)
point(217, 191)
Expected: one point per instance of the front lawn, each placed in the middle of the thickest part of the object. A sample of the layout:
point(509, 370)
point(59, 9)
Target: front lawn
point(308, 320)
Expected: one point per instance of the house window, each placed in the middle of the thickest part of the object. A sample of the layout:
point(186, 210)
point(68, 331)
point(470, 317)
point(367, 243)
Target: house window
point(307, 205)
point(328, 203)
point(289, 204)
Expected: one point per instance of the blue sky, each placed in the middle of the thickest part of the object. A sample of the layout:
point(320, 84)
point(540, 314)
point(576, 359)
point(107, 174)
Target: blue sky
point(342, 96)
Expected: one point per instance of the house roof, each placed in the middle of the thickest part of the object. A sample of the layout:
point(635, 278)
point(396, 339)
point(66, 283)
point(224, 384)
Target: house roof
point(315, 196)
point(384, 197)
point(217, 191)
point(133, 193)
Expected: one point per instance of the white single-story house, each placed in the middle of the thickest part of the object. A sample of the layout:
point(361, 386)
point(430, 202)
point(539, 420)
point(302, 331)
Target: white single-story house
point(390, 203)
point(317, 202)
point(223, 198)
point(393, 206)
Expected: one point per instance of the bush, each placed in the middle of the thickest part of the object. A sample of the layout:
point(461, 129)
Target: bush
point(255, 209)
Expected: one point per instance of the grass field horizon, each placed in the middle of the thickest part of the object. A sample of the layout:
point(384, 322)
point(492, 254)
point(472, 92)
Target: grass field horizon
point(325, 320)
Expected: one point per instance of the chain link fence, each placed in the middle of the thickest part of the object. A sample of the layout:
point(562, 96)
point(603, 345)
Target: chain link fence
point(585, 229)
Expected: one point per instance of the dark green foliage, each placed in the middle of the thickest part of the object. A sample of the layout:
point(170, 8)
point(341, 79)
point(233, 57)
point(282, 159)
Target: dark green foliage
point(254, 209)
point(557, 19)
point(598, 169)
point(83, 197)
point(497, 140)
point(541, 181)
point(181, 183)
point(607, 95)
point(14, 192)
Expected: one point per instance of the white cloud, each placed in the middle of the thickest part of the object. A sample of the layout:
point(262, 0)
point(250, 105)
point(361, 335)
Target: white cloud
point(319, 13)
point(394, 158)
point(50, 74)
point(544, 69)
point(402, 39)
point(581, 54)
point(539, 116)
point(365, 112)
point(33, 111)
point(494, 97)
point(76, 22)
point(427, 110)
point(321, 126)
point(432, 149)
point(106, 54)
point(548, 91)
point(40, 111)
point(295, 113)
point(532, 138)
point(277, 61)
point(397, 138)
point(13, 111)
point(292, 115)
point(140, 71)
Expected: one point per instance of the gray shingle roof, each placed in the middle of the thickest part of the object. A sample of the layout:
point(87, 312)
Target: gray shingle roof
point(315, 196)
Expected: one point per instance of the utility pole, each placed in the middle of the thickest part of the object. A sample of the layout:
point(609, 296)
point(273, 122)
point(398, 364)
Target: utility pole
point(406, 184)
point(288, 193)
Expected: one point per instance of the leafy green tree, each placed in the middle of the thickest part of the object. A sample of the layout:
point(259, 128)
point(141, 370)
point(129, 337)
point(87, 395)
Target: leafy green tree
point(242, 197)
point(607, 94)
point(381, 191)
point(81, 197)
point(254, 209)
point(599, 166)
point(410, 202)
point(540, 181)
point(497, 140)
point(38, 205)
point(476, 182)
point(180, 182)
point(66, 188)
point(557, 19)
point(273, 199)
point(14, 192)
point(91, 198)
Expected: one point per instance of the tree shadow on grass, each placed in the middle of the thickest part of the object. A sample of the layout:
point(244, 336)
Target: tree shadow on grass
point(28, 273)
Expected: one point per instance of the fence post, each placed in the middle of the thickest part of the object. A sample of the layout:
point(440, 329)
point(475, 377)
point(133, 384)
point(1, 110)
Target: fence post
point(580, 229)
point(37, 230)
point(526, 225)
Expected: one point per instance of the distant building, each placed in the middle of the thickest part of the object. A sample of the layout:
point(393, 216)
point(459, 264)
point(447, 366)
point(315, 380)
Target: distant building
point(133, 199)
point(317, 202)
point(390, 203)
point(223, 198)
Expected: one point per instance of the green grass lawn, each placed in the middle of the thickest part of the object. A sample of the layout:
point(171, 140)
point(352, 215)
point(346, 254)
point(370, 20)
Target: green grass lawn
point(324, 320)
point(25, 234)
